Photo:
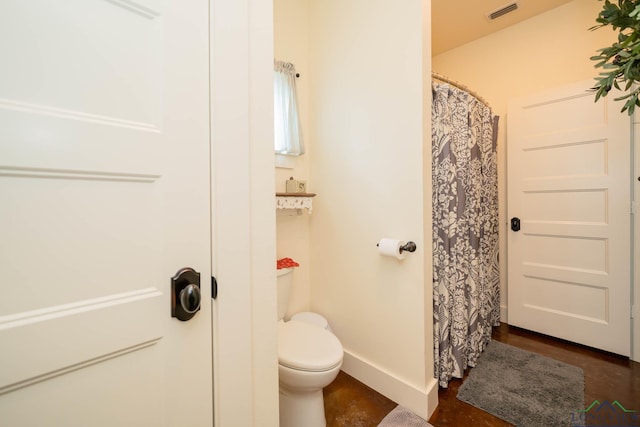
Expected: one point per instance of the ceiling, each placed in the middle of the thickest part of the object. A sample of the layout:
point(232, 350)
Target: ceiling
point(454, 23)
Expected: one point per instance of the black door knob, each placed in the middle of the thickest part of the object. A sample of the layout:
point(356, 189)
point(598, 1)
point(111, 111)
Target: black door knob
point(190, 298)
point(515, 224)
point(185, 294)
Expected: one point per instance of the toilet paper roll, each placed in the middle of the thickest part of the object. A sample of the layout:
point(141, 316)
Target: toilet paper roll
point(391, 247)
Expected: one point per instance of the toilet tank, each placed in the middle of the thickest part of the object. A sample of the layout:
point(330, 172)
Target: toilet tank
point(285, 283)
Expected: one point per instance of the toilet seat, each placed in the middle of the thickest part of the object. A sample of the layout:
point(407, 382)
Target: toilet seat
point(306, 347)
point(312, 319)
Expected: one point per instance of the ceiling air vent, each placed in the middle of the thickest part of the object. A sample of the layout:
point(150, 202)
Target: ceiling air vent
point(502, 11)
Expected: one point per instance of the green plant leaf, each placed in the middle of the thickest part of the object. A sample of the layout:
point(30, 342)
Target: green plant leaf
point(619, 63)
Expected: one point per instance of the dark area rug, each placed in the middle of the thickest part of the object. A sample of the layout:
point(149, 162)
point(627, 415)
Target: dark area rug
point(524, 388)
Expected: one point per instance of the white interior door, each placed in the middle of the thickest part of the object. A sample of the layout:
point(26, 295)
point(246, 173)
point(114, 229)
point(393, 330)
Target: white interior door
point(104, 195)
point(568, 183)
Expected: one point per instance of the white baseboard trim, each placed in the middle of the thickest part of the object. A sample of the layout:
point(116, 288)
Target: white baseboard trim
point(420, 401)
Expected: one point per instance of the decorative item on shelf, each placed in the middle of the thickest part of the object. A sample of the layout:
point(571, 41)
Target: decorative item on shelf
point(294, 202)
point(295, 186)
point(295, 198)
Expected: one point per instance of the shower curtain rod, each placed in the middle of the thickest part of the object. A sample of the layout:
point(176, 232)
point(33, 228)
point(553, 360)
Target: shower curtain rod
point(444, 79)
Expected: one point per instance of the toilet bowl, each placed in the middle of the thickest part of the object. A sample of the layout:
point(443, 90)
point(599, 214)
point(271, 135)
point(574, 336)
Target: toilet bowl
point(309, 359)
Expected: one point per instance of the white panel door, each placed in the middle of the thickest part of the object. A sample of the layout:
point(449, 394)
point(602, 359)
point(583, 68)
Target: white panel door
point(104, 195)
point(568, 183)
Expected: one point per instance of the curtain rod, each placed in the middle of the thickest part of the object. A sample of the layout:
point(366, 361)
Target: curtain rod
point(444, 79)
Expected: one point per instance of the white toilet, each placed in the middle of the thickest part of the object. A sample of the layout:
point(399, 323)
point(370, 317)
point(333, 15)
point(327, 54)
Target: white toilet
point(313, 319)
point(309, 359)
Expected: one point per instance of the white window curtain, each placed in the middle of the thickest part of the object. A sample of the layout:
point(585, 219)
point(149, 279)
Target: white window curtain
point(288, 132)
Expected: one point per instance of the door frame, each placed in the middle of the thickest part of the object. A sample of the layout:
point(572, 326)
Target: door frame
point(243, 240)
point(635, 225)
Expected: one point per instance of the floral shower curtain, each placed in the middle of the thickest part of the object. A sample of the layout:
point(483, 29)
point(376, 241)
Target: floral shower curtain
point(466, 287)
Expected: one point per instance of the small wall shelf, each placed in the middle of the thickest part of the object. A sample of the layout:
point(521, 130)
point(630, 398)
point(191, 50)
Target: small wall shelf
point(295, 201)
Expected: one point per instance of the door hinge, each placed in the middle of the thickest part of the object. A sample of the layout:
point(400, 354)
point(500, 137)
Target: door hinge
point(634, 208)
point(214, 287)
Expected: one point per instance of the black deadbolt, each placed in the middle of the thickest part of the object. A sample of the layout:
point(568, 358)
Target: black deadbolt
point(515, 224)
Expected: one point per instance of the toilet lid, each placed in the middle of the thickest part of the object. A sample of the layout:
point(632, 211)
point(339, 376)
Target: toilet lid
point(307, 348)
point(311, 318)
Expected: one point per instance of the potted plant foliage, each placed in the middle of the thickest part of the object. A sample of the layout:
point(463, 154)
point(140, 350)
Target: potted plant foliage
point(620, 62)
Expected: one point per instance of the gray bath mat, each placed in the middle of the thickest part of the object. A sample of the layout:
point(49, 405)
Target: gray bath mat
point(402, 417)
point(524, 388)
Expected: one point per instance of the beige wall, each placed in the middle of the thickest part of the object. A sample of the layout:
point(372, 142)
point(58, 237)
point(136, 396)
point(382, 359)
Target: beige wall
point(549, 50)
point(368, 167)
point(291, 44)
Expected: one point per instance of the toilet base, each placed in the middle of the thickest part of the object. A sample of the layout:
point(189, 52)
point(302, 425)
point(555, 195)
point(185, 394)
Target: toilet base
point(301, 408)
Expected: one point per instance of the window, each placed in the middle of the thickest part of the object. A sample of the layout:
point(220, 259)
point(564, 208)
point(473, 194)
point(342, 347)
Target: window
point(288, 132)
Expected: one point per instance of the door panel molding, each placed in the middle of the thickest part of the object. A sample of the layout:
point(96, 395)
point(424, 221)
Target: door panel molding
point(62, 113)
point(44, 173)
point(59, 339)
